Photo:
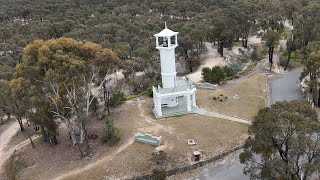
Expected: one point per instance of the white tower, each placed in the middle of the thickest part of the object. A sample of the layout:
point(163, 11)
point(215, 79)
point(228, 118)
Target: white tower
point(166, 43)
point(177, 95)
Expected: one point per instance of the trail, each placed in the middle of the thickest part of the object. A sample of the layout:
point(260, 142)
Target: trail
point(5, 138)
point(103, 160)
point(204, 112)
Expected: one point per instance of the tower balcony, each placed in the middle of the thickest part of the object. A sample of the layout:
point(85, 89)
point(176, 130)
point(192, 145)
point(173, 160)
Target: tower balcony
point(182, 84)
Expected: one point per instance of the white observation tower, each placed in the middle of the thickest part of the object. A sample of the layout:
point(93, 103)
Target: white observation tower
point(177, 95)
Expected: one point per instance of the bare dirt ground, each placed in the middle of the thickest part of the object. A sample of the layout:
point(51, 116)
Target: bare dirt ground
point(211, 58)
point(8, 130)
point(129, 159)
point(252, 93)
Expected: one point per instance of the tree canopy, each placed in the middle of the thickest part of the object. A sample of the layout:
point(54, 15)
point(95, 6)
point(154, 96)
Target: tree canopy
point(285, 144)
point(63, 72)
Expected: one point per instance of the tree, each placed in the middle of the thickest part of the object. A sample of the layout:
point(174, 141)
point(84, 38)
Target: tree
point(312, 69)
point(13, 99)
point(42, 115)
point(222, 29)
point(285, 143)
point(65, 72)
point(271, 40)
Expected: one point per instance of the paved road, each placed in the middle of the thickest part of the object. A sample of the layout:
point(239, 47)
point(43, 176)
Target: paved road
point(283, 87)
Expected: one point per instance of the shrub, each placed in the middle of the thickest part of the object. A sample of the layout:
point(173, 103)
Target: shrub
point(127, 98)
point(149, 91)
point(206, 73)
point(256, 56)
point(117, 98)
point(111, 134)
point(283, 60)
point(228, 71)
point(159, 158)
point(221, 100)
point(158, 174)
point(217, 75)
point(214, 98)
point(94, 106)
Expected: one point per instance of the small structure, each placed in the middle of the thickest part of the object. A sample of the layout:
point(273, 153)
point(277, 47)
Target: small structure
point(196, 155)
point(191, 142)
point(177, 95)
point(149, 139)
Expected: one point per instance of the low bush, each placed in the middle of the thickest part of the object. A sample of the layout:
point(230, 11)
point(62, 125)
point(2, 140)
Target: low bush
point(130, 97)
point(158, 174)
point(215, 75)
point(149, 91)
point(256, 56)
point(117, 98)
point(111, 135)
point(159, 158)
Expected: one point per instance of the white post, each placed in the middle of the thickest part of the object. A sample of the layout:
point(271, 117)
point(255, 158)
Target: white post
point(159, 106)
point(194, 99)
point(157, 42)
point(188, 103)
point(176, 40)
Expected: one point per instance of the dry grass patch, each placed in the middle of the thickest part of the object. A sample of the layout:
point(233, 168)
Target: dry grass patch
point(212, 135)
point(252, 93)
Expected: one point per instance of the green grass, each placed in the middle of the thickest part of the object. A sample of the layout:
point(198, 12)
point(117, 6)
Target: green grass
point(285, 34)
point(249, 69)
point(130, 97)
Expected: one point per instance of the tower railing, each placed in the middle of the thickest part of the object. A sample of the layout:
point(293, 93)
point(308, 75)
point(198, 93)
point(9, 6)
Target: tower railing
point(182, 84)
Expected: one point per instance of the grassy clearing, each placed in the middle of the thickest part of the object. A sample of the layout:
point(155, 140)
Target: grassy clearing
point(252, 93)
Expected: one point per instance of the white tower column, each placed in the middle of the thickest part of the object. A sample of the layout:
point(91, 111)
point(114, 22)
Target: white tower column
point(159, 111)
point(166, 43)
point(194, 99)
point(188, 102)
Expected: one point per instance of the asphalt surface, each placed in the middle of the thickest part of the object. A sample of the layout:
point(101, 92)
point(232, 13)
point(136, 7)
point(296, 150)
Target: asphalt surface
point(285, 87)
point(282, 87)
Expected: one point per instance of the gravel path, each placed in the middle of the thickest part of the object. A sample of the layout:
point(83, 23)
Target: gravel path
point(204, 112)
point(5, 138)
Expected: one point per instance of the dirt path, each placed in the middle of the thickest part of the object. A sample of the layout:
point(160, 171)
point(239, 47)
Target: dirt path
point(99, 162)
point(204, 112)
point(5, 138)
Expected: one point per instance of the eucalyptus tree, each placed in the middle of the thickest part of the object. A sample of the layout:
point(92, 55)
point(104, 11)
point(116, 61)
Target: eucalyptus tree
point(67, 72)
point(307, 25)
point(285, 143)
point(221, 28)
point(271, 38)
point(312, 70)
point(13, 99)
